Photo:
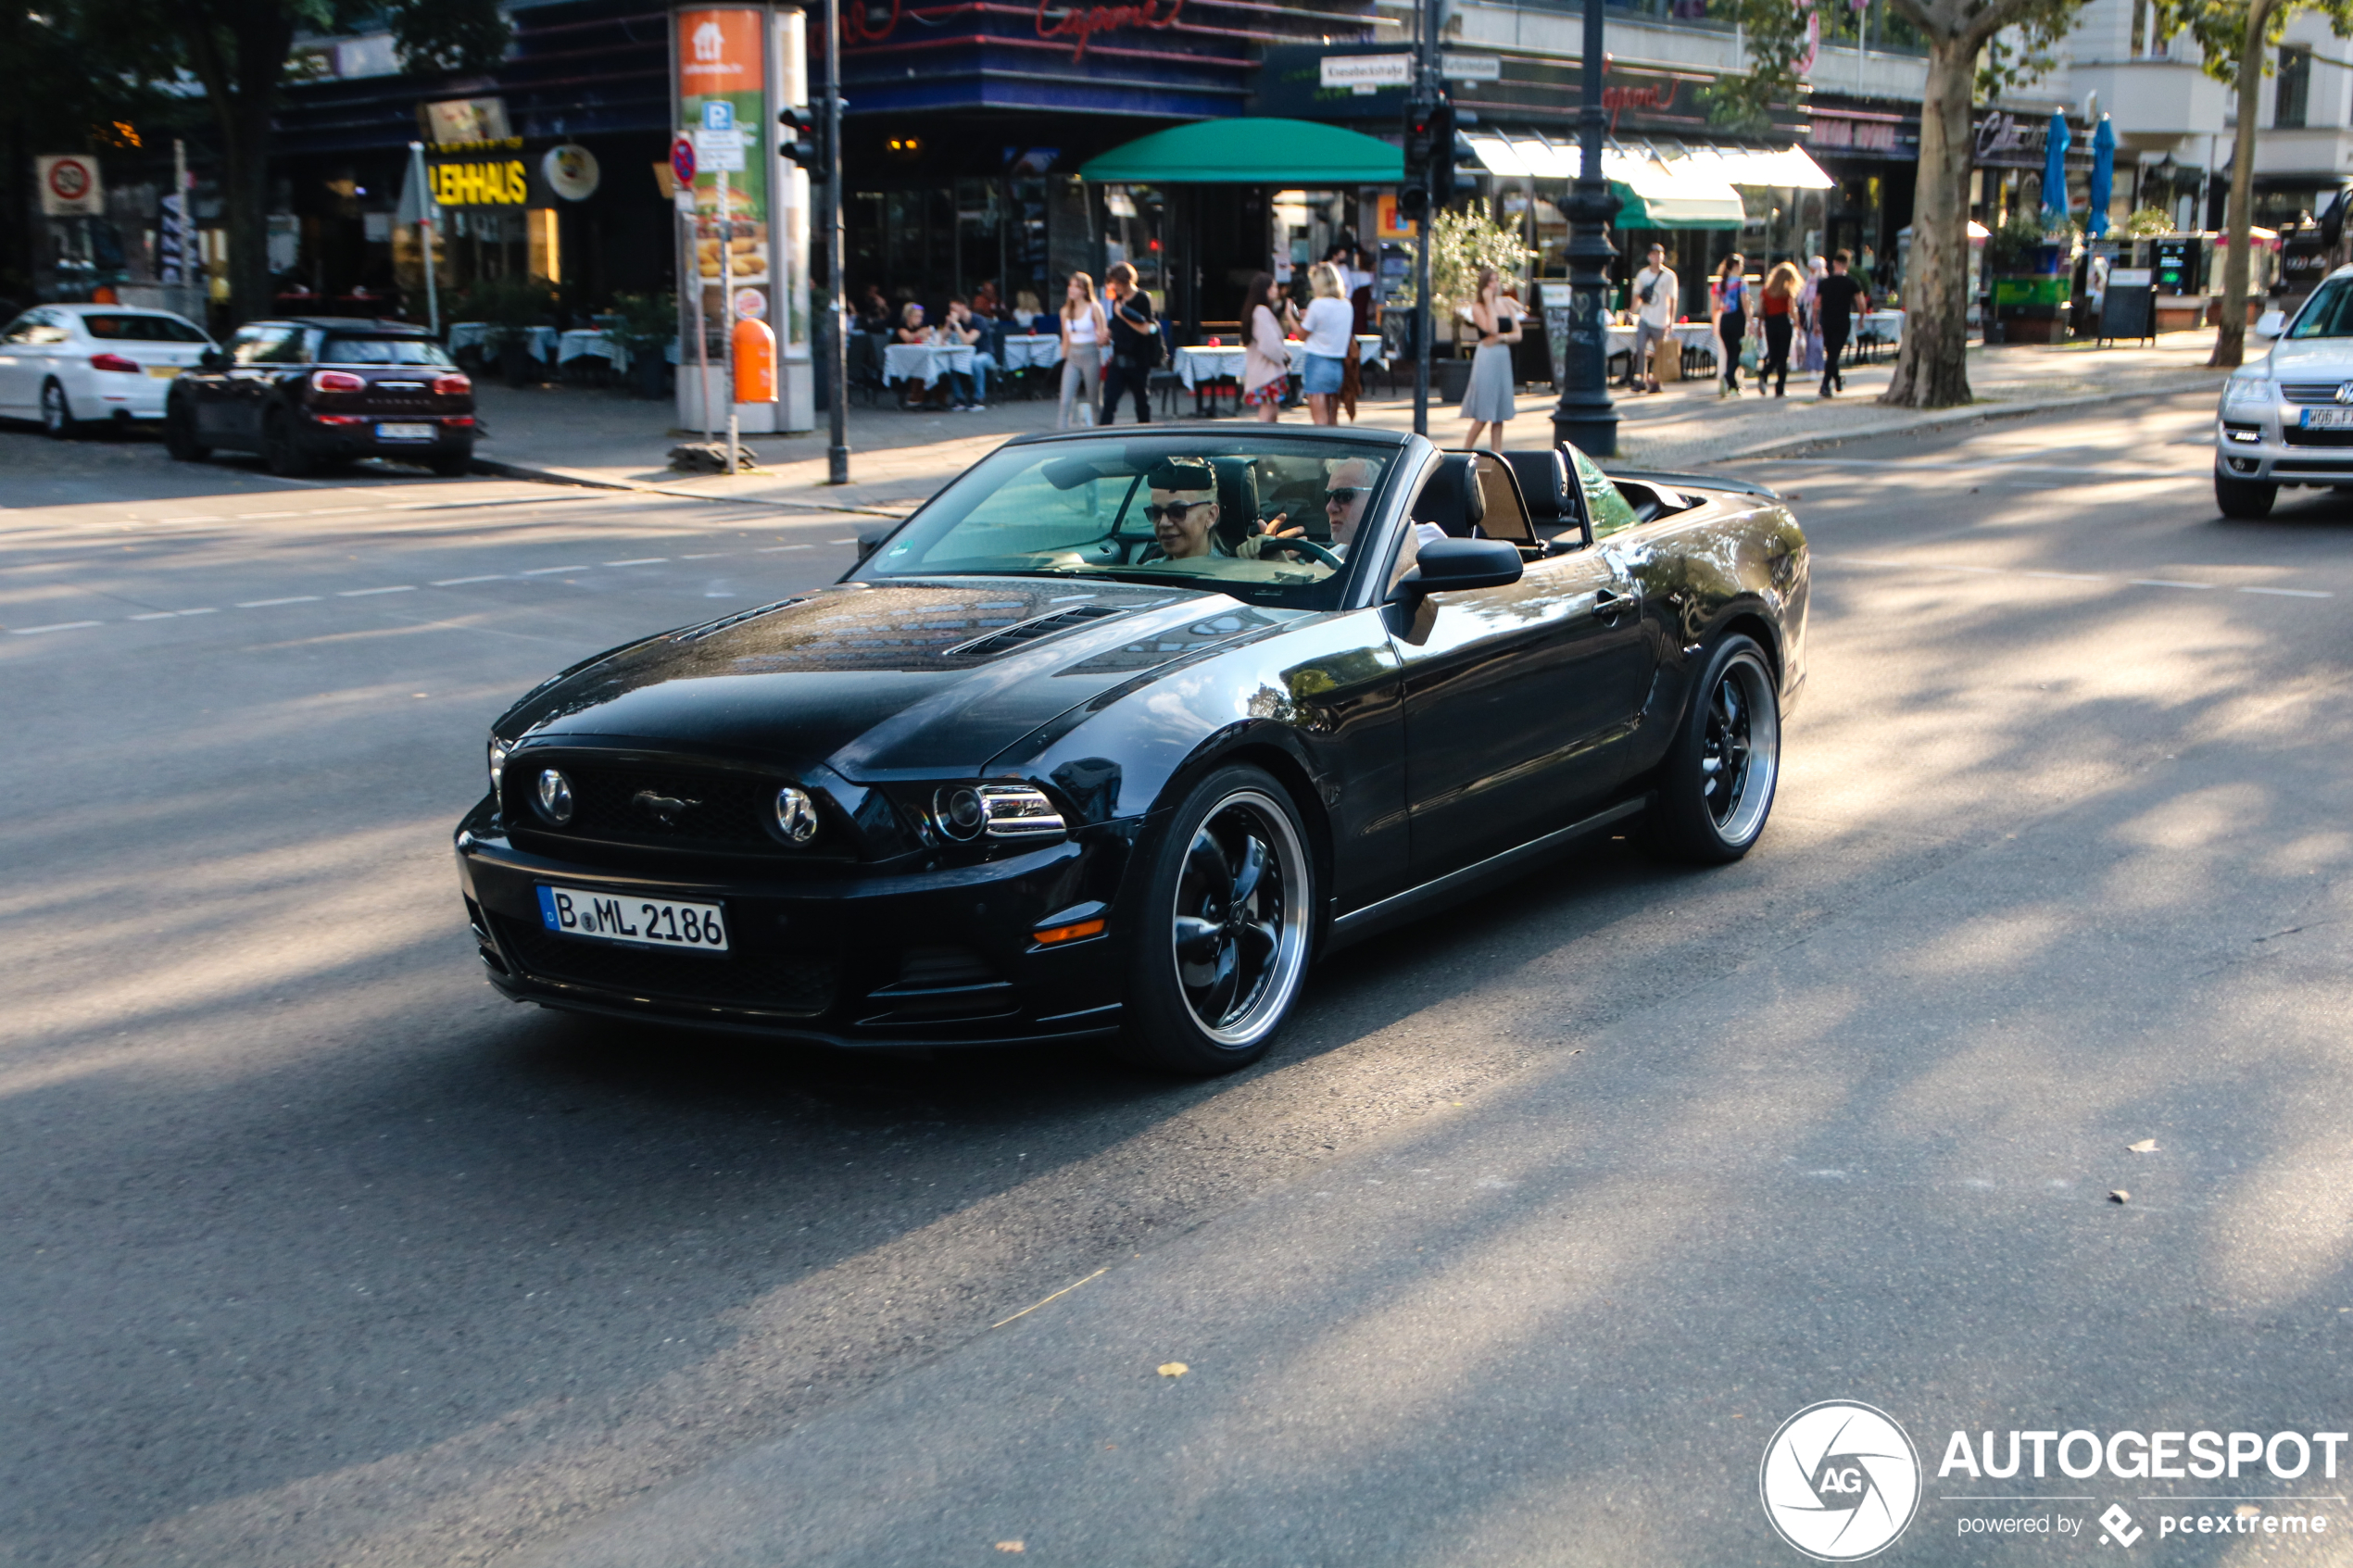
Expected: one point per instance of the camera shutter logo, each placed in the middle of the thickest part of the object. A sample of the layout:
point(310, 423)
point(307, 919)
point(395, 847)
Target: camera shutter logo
point(1840, 1481)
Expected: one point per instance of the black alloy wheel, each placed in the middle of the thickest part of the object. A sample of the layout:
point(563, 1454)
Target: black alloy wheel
point(56, 414)
point(280, 446)
point(1221, 947)
point(2243, 499)
point(1716, 787)
point(179, 432)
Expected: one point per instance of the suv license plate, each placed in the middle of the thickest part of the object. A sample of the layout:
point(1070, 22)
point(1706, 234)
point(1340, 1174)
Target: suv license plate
point(2328, 419)
point(632, 918)
point(404, 432)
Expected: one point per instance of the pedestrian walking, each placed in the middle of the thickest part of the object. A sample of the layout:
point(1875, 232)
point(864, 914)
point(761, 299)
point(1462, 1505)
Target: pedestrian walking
point(1842, 299)
point(1265, 371)
point(1084, 334)
point(1487, 402)
point(1728, 311)
point(1778, 302)
point(1135, 344)
point(1656, 292)
point(1328, 326)
point(1809, 316)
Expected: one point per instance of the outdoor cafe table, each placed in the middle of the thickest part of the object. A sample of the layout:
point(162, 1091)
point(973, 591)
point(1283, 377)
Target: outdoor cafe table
point(925, 362)
point(1032, 350)
point(476, 335)
point(1200, 363)
point(586, 343)
point(1876, 330)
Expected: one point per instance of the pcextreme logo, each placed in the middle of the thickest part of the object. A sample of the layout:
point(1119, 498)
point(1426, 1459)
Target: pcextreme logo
point(1840, 1481)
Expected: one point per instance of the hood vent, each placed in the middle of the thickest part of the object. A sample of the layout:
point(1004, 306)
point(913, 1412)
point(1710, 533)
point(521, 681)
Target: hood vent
point(696, 633)
point(1021, 634)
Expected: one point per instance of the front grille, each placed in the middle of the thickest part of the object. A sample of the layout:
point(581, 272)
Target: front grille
point(721, 810)
point(2296, 436)
point(802, 985)
point(2309, 391)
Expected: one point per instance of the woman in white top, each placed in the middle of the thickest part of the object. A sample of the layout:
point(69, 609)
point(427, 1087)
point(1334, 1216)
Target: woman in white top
point(1265, 371)
point(1328, 328)
point(1487, 402)
point(1084, 334)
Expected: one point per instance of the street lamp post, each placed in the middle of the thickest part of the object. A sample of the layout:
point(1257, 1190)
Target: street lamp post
point(1585, 417)
point(837, 350)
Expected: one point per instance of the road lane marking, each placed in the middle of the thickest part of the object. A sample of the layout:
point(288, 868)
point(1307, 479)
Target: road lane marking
point(289, 599)
point(772, 549)
point(643, 561)
point(363, 593)
point(2166, 582)
point(550, 570)
point(57, 626)
point(2291, 593)
point(709, 555)
point(2068, 576)
point(456, 582)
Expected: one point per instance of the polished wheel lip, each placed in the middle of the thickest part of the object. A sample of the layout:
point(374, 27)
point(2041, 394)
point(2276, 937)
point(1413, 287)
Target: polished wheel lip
point(1739, 749)
point(56, 413)
point(1206, 918)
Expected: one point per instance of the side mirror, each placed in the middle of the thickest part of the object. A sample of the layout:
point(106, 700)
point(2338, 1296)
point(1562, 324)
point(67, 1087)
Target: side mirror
point(2272, 323)
point(1462, 563)
point(211, 359)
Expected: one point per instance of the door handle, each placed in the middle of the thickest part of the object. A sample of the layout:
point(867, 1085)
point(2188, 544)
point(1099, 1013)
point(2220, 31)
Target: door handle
point(1609, 604)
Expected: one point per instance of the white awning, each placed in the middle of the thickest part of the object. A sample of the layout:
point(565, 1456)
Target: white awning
point(1784, 168)
point(1710, 170)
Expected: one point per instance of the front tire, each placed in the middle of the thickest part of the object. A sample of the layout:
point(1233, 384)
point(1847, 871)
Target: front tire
point(2243, 499)
point(179, 433)
point(279, 448)
point(1228, 913)
point(1716, 787)
point(57, 415)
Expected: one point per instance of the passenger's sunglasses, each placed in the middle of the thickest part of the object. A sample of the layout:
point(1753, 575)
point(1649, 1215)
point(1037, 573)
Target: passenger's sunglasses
point(1174, 511)
point(1343, 497)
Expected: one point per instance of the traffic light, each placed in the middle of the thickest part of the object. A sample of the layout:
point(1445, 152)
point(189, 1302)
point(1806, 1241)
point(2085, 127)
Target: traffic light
point(804, 140)
point(1441, 152)
point(1421, 144)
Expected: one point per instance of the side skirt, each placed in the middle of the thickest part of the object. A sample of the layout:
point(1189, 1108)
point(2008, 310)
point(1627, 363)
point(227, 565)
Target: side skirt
point(1415, 902)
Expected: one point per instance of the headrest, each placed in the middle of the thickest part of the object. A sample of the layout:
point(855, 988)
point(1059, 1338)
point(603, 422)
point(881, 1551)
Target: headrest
point(1182, 473)
point(1452, 498)
point(1237, 497)
point(1543, 484)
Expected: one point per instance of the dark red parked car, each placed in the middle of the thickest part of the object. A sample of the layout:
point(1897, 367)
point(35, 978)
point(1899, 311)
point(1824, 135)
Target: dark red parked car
point(322, 390)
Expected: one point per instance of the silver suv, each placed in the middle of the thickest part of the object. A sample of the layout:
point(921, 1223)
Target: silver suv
point(2287, 419)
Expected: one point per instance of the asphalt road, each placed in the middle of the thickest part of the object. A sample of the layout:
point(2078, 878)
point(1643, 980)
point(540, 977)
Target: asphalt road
point(1518, 1248)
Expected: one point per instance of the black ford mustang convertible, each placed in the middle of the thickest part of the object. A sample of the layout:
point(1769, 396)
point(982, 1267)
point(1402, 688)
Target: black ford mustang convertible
point(1119, 731)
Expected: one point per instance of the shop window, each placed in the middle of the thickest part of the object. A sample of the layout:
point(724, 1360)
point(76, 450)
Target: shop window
point(547, 255)
point(2295, 87)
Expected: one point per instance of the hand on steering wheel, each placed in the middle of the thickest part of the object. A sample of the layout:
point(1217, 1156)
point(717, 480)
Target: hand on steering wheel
point(1297, 540)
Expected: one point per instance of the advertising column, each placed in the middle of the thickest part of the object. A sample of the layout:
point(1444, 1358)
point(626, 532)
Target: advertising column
point(789, 87)
point(722, 75)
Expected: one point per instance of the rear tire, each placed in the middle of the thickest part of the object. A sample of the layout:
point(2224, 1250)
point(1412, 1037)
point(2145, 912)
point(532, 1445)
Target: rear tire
point(1716, 786)
point(57, 415)
point(179, 432)
point(1220, 949)
point(2243, 499)
point(286, 460)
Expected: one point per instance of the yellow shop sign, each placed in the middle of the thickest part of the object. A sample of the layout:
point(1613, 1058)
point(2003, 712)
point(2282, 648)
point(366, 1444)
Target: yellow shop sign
point(479, 185)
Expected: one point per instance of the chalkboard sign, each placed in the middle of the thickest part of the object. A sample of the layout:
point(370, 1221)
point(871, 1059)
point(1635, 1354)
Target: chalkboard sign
point(2128, 310)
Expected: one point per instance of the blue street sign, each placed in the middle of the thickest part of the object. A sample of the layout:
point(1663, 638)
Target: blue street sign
point(718, 114)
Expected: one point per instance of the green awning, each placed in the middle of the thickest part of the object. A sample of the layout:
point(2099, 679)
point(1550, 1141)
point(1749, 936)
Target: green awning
point(1250, 152)
point(1658, 211)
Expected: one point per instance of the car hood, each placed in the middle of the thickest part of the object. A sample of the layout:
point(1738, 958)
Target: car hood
point(880, 681)
point(2319, 359)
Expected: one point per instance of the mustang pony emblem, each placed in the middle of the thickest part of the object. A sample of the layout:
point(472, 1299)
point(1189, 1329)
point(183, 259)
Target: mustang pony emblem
point(666, 807)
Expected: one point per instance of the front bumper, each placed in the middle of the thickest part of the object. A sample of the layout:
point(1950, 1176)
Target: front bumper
point(2265, 446)
point(937, 957)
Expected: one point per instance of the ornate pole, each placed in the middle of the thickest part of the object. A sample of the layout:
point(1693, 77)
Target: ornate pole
point(838, 348)
point(1585, 417)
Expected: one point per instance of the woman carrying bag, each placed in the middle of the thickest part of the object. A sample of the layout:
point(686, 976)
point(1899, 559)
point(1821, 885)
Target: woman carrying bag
point(1265, 372)
point(1487, 402)
point(1084, 335)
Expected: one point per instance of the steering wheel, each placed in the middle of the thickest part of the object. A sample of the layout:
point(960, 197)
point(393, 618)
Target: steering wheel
point(1305, 547)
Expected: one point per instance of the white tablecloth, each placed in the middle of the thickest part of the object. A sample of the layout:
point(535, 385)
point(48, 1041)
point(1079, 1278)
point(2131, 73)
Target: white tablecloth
point(1201, 363)
point(476, 335)
point(925, 362)
point(1882, 326)
point(584, 344)
point(1024, 350)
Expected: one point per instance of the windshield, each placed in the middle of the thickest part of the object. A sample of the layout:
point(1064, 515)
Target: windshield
point(141, 329)
point(2330, 313)
point(384, 351)
point(1268, 520)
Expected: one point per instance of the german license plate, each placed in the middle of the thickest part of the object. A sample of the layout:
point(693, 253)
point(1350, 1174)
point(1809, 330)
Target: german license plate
point(165, 372)
point(404, 432)
point(633, 917)
point(2328, 419)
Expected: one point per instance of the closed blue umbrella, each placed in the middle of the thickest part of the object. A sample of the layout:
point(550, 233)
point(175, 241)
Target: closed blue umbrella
point(2055, 147)
point(2103, 178)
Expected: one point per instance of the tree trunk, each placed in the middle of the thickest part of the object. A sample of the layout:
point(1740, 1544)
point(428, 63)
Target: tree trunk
point(239, 62)
point(2230, 343)
point(1932, 369)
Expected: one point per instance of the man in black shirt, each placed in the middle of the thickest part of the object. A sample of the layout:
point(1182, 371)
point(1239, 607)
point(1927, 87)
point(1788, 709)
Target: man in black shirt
point(1838, 299)
point(1135, 343)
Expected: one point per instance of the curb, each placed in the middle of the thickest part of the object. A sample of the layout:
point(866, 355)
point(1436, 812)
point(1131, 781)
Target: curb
point(556, 476)
point(1935, 419)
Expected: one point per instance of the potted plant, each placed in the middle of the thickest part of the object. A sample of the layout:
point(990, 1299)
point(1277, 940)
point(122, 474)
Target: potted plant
point(509, 308)
point(645, 324)
point(2032, 286)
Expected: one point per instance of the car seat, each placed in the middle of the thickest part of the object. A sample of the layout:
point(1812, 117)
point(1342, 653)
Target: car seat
point(1452, 498)
point(1237, 500)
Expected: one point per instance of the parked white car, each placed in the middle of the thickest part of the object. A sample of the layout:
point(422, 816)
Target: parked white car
point(69, 365)
point(2287, 418)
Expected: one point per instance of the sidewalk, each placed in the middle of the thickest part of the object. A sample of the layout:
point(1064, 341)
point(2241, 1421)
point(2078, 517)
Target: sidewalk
point(898, 459)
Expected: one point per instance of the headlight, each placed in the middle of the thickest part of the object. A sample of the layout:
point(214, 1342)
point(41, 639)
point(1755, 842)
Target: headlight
point(964, 813)
point(2248, 391)
point(499, 750)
